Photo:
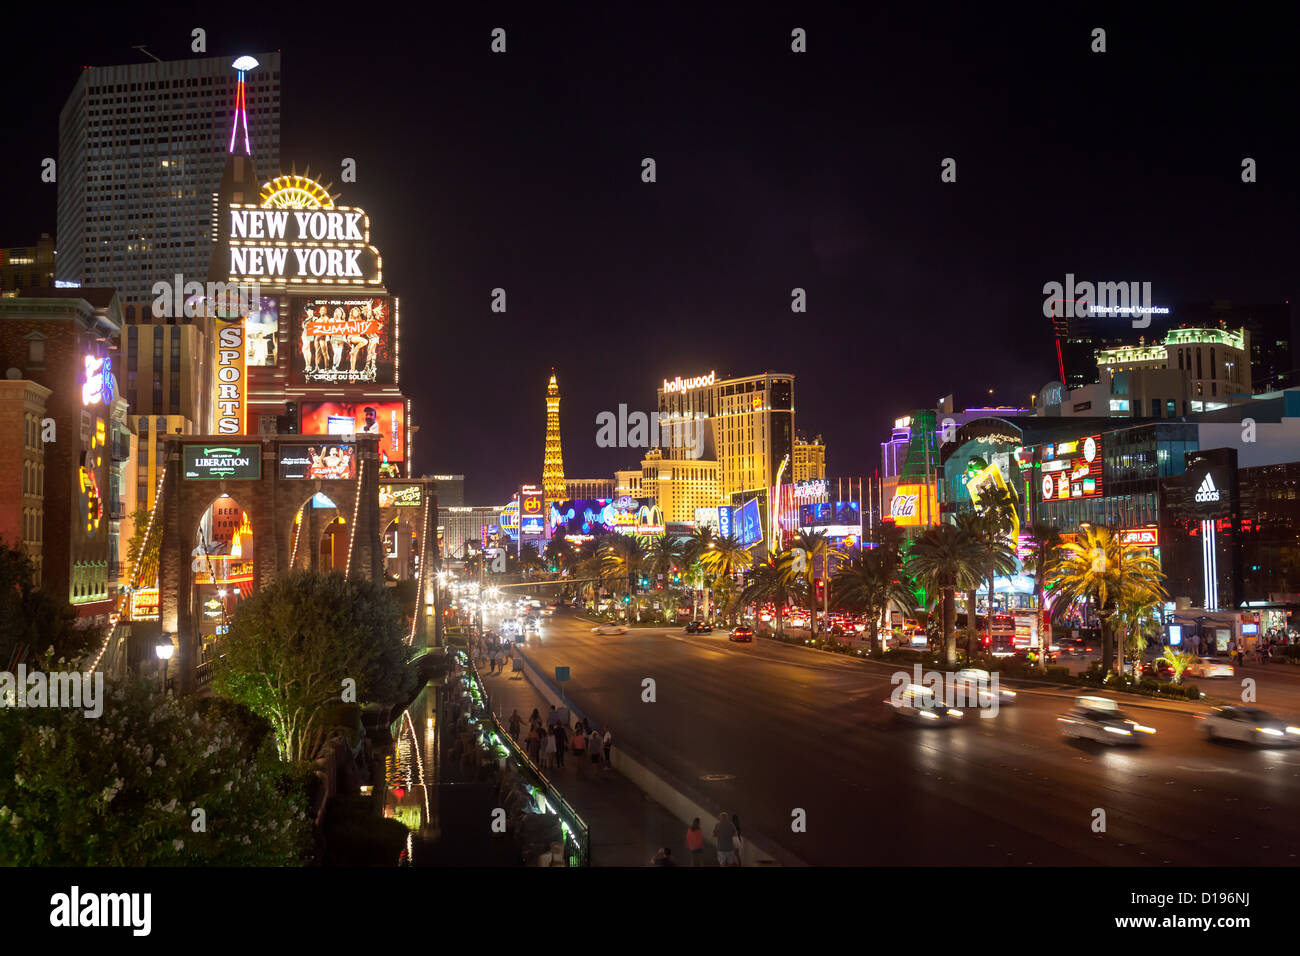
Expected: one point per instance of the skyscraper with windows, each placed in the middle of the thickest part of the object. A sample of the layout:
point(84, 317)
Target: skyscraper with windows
point(142, 148)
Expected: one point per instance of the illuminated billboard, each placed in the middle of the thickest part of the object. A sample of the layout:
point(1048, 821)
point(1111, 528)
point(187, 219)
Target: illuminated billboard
point(261, 334)
point(748, 523)
point(299, 244)
point(587, 516)
point(318, 461)
point(343, 340)
point(231, 383)
point(914, 506)
point(221, 461)
point(532, 514)
point(1071, 469)
point(399, 496)
point(385, 419)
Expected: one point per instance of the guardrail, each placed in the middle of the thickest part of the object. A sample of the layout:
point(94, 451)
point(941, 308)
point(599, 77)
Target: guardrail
point(577, 833)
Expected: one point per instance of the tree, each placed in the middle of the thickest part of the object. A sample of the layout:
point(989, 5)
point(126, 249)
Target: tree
point(1179, 661)
point(559, 554)
point(869, 584)
point(663, 555)
point(32, 621)
point(1137, 620)
point(973, 526)
point(998, 509)
point(814, 545)
point(773, 582)
point(142, 549)
point(1045, 539)
point(724, 558)
point(529, 559)
point(1098, 567)
point(293, 644)
point(622, 557)
point(121, 790)
point(945, 559)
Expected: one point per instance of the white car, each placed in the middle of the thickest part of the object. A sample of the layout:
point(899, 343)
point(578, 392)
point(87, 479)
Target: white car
point(1248, 724)
point(978, 688)
point(919, 704)
point(609, 629)
point(1209, 667)
point(1100, 720)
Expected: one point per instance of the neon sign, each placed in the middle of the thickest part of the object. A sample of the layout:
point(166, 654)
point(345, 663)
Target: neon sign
point(680, 384)
point(97, 385)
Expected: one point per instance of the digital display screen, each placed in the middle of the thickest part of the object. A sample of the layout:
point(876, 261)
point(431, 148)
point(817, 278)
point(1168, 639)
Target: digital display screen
point(343, 340)
point(1071, 469)
point(222, 461)
point(318, 461)
point(385, 419)
point(748, 523)
point(261, 333)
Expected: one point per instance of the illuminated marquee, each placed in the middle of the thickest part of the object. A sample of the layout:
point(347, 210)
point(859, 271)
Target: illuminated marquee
point(914, 506)
point(680, 384)
point(232, 377)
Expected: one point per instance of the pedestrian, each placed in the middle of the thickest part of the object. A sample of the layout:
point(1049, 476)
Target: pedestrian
point(535, 717)
point(724, 835)
point(579, 745)
point(740, 840)
point(664, 857)
point(608, 743)
point(548, 752)
point(533, 745)
point(552, 718)
point(594, 748)
point(561, 744)
point(515, 722)
point(695, 842)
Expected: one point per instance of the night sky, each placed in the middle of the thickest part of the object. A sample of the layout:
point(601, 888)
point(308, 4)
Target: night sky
point(775, 170)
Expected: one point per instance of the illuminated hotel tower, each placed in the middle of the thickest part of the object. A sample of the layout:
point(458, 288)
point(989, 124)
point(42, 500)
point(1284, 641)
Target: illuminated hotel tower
point(553, 460)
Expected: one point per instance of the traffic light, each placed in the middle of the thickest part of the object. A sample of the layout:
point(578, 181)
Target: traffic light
point(821, 588)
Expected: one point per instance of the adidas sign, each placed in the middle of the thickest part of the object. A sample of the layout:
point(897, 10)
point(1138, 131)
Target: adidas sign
point(1207, 491)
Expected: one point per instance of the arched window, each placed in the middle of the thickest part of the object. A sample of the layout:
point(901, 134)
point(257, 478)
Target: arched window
point(1198, 362)
point(1214, 365)
point(1180, 358)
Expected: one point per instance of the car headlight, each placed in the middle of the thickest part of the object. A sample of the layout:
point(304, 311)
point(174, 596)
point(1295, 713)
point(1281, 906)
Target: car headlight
point(1008, 693)
point(1293, 730)
point(1142, 729)
point(929, 715)
point(1118, 730)
point(953, 712)
point(1271, 731)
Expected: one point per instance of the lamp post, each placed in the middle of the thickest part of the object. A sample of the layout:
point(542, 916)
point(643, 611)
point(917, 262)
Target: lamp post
point(164, 650)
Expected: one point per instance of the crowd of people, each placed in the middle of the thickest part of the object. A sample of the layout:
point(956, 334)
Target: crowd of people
point(726, 835)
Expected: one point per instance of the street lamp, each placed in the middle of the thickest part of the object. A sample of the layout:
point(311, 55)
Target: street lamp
point(164, 650)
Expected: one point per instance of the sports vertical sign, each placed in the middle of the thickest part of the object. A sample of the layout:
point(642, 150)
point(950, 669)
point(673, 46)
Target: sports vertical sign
point(232, 377)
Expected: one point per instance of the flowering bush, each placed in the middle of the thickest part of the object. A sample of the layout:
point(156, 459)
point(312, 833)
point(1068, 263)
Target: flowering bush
point(154, 781)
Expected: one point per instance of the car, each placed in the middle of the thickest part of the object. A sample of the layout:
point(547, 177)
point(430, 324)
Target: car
point(1158, 669)
point(609, 629)
point(1099, 719)
point(1209, 667)
point(1023, 654)
point(699, 627)
point(741, 633)
point(918, 704)
point(1248, 724)
point(976, 686)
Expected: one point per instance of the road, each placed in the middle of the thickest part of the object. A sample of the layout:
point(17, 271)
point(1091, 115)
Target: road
point(787, 728)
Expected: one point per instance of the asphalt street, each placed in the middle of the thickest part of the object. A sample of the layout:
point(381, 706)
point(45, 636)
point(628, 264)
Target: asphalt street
point(769, 729)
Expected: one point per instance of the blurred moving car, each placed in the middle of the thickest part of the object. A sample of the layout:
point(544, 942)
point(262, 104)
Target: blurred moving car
point(1248, 724)
point(919, 704)
point(1209, 667)
point(699, 627)
point(977, 685)
point(1158, 669)
point(609, 629)
point(741, 633)
point(1100, 719)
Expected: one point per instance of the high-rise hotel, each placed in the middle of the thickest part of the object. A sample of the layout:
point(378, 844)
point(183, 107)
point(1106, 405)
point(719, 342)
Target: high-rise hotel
point(749, 428)
point(141, 152)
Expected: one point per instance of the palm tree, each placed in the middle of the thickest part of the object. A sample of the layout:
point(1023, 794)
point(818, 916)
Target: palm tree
point(945, 559)
point(693, 550)
point(724, 558)
point(1136, 621)
point(1098, 567)
point(814, 545)
point(1045, 539)
point(868, 584)
point(559, 554)
point(773, 582)
point(622, 556)
point(998, 508)
point(974, 526)
point(1179, 661)
point(529, 559)
point(663, 557)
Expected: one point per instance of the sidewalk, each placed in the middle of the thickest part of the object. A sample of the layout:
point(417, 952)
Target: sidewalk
point(627, 828)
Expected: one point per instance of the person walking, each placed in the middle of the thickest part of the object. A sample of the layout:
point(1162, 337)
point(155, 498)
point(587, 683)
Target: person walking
point(552, 718)
point(579, 748)
point(515, 722)
point(695, 842)
point(724, 835)
point(533, 745)
point(561, 744)
point(593, 748)
point(548, 750)
point(740, 840)
point(607, 743)
point(535, 717)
